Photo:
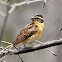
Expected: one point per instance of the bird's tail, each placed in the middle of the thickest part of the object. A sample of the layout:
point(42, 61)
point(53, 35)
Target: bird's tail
point(2, 57)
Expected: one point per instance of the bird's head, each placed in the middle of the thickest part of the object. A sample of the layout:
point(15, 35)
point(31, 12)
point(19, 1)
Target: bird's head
point(37, 18)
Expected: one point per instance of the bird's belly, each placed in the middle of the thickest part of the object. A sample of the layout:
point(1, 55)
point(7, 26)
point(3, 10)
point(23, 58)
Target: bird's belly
point(32, 39)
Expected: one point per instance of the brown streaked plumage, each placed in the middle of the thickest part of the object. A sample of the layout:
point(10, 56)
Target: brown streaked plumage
point(30, 33)
point(27, 32)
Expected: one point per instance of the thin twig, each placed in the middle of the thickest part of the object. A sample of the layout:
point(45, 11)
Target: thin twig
point(19, 4)
point(45, 45)
point(23, 3)
point(19, 55)
point(26, 2)
point(4, 25)
point(30, 49)
point(59, 33)
point(6, 42)
point(4, 3)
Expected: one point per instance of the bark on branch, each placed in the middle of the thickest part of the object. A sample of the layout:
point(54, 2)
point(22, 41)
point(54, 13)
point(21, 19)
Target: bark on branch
point(30, 49)
point(45, 45)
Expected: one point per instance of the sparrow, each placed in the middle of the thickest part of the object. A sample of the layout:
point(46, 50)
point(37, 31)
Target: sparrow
point(30, 33)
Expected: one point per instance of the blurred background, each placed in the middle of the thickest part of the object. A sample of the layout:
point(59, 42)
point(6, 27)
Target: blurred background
point(52, 13)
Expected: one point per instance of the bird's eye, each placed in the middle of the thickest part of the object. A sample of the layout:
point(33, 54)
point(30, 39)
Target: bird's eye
point(42, 21)
point(35, 19)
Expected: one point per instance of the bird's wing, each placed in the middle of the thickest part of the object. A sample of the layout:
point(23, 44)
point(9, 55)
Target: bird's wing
point(27, 32)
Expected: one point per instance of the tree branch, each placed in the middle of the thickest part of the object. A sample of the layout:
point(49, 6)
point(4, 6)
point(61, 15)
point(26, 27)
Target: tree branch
point(4, 25)
point(30, 49)
point(23, 3)
point(4, 3)
point(45, 45)
point(13, 6)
